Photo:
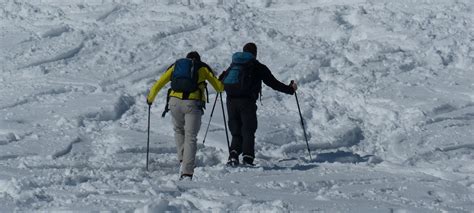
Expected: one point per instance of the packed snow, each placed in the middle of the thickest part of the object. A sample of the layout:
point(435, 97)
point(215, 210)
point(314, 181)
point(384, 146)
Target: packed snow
point(386, 90)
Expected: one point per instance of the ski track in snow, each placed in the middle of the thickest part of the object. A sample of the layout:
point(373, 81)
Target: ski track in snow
point(386, 92)
point(63, 56)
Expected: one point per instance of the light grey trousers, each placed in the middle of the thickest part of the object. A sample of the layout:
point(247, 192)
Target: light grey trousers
point(187, 122)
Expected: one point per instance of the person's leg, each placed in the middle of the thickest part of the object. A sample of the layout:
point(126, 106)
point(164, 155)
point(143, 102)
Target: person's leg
point(235, 124)
point(249, 127)
point(178, 123)
point(193, 113)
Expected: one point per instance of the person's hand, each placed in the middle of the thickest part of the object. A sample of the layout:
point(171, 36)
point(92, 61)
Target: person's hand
point(293, 85)
point(148, 102)
point(221, 76)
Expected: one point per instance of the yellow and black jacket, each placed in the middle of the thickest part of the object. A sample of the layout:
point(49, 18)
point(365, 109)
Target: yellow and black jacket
point(204, 73)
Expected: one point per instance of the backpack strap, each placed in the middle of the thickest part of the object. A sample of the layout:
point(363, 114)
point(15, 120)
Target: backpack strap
point(196, 76)
point(207, 93)
point(201, 95)
point(167, 101)
point(185, 95)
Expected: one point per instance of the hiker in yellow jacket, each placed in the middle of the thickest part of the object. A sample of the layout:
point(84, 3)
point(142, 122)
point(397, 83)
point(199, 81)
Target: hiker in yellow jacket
point(187, 98)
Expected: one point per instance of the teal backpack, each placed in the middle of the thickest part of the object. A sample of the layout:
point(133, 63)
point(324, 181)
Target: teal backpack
point(240, 80)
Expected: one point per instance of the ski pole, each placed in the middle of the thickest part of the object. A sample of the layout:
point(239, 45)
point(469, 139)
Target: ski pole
point(225, 124)
point(148, 139)
point(302, 125)
point(210, 118)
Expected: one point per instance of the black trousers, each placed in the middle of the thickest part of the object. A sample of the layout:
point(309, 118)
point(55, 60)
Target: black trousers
point(243, 125)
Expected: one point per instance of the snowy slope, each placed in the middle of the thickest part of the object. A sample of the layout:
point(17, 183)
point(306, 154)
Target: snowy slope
point(386, 90)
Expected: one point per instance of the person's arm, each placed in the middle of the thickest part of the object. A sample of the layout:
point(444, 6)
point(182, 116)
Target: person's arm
point(209, 76)
point(271, 81)
point(160, 83)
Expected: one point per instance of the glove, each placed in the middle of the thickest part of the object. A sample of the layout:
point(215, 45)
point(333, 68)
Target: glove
point(148, 102)
point(293, 85)
point(221, 76)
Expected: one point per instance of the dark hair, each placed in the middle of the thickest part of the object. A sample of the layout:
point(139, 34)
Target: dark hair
point(194, 55)
point(250, 48)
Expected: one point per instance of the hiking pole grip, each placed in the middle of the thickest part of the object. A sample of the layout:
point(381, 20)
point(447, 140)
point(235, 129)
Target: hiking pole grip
point(210, 118)
point(302, 125)
point(225, 124)
point(148, 138)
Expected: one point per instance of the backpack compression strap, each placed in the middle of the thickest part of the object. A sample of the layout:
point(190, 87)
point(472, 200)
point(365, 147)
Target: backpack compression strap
point(166, 105)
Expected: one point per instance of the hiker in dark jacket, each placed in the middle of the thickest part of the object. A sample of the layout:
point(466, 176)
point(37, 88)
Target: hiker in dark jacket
point(242, 106)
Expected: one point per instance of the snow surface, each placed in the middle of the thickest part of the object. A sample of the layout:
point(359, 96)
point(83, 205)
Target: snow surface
point(386, 90)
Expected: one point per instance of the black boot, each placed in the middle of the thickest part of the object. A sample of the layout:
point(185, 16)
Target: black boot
point(233, 159)
point(186, 177)
point(233, 162)
point(248, 160)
